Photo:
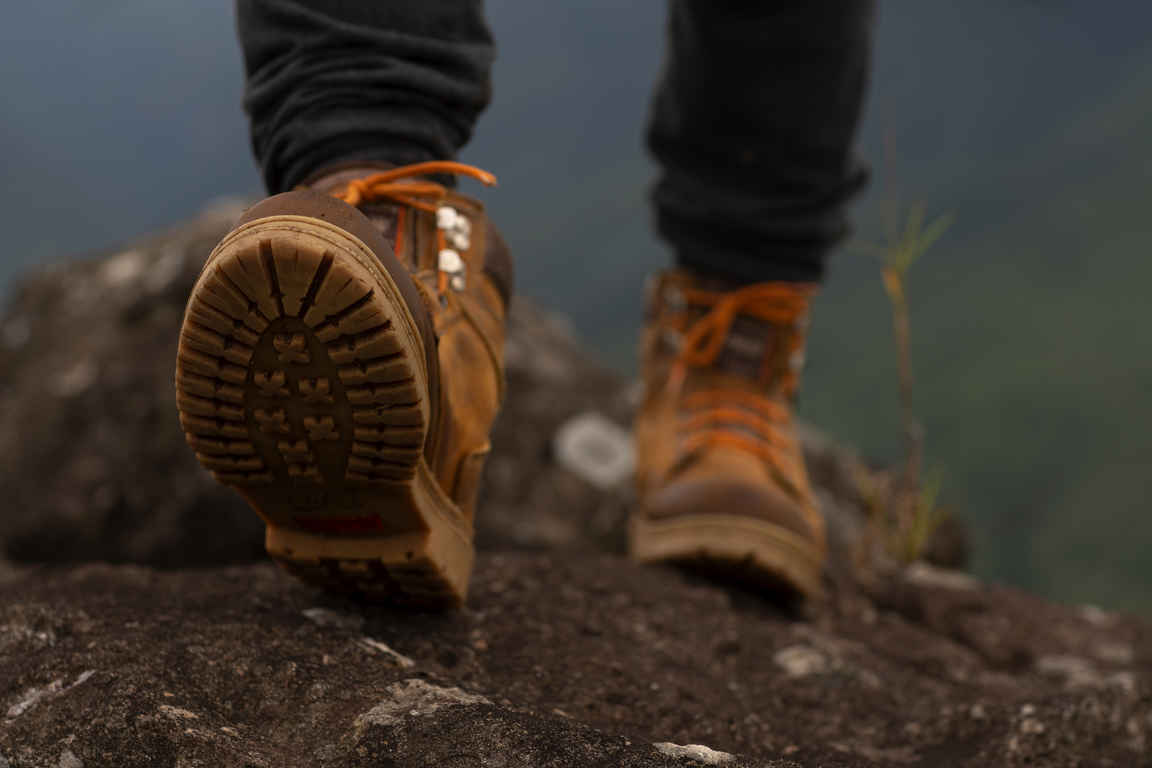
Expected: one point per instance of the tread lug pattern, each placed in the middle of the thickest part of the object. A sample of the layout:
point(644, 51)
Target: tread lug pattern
point(296, 301)
point(293, 382)
point(417, 583)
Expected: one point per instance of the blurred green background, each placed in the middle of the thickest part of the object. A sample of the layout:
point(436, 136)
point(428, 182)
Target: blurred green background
point(1030, 121)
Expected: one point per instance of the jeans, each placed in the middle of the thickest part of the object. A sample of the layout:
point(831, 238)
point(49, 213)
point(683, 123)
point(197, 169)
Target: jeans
point(752, 123)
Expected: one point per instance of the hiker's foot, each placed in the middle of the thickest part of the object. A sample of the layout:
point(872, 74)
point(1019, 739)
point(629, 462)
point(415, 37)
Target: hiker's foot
point(721, 476)
point(340, 365)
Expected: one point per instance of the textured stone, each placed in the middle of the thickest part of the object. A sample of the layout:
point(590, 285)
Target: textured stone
point(696, 752)
point(567, 657)
point(562, 659)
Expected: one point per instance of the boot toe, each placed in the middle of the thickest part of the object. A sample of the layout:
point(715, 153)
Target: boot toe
point(750, 530)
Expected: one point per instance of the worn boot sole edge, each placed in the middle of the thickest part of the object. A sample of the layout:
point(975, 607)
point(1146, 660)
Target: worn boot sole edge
point(302, 383)
point(751, 551)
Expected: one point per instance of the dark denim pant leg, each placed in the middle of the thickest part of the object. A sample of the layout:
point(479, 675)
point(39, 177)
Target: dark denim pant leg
point(337, 82)
point(753, 125)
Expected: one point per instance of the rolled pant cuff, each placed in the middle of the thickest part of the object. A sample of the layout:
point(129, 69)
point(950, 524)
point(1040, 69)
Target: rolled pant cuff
point(345, 137)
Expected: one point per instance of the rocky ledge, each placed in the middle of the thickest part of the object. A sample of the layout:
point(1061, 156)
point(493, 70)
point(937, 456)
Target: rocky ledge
point(189, 651)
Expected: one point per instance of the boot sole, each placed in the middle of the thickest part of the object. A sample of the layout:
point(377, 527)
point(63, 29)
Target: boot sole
point(302, 383)
point(735, 547)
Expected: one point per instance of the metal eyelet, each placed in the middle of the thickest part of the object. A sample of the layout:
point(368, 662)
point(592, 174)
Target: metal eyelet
point(456, 228)
point(447, 217)
point(459, 240)
point(452, 264)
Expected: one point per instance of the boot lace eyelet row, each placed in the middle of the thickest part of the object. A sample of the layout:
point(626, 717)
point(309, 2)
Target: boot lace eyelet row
point(749, 421)
point(404, 186)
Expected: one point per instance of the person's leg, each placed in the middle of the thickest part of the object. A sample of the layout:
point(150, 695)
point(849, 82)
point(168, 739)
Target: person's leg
point(342, 82)
point(322, 371)
point(753, 126)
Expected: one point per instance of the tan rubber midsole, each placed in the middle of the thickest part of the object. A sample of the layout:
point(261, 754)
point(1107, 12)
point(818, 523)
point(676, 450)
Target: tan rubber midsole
point(728, 536)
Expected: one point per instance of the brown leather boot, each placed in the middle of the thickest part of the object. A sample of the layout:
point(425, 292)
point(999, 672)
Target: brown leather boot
point(340, 365)
point(721, 476)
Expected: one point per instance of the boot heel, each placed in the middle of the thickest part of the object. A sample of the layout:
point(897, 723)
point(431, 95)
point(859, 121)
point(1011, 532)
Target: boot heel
point(429, 568)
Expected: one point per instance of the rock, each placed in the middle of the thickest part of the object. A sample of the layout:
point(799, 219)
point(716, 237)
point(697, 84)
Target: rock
point(400, 659)
point(800, 660)
point(595, 449)
point(697, 752)
point(68, 759)
point(415, 698)
point(585, 659)
point(323, 617)
point(930, 576)
point(1077, 672)
point(33, 696)
point(566, 655)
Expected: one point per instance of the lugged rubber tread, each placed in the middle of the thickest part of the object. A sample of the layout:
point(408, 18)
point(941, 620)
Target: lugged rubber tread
point(302, 383)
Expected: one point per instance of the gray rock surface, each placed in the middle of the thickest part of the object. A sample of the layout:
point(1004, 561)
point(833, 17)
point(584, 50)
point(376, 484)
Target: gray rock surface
point(566, 655)
point(560, 659)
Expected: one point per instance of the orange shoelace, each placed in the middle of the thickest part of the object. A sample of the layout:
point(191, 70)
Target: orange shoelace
point(399, 185)
point(756, 418)
point(402, 186)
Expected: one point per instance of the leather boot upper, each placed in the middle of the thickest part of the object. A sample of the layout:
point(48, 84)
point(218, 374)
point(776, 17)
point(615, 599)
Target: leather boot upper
point(462, 270)
point(714, 433)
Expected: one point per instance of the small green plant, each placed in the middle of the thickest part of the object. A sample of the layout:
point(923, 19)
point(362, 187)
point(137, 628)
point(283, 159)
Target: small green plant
point(905, 513)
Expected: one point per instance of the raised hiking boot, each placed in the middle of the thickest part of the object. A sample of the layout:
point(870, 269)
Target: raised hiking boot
point(340, 366)
point(721, 476)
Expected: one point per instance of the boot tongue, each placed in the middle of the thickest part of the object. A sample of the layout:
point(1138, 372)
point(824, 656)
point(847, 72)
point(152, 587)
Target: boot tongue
point(749, 342)
point(382, 214)
point(754, 354)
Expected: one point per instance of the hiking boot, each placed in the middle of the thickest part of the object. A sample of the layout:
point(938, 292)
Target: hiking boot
point(721, 476)
point(340, 366)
